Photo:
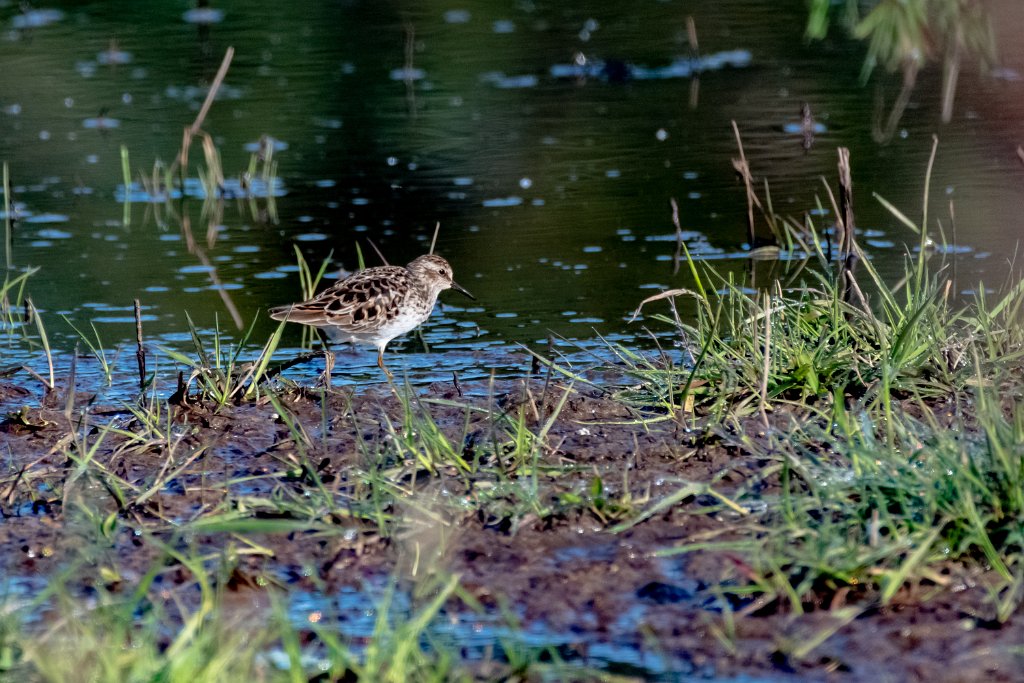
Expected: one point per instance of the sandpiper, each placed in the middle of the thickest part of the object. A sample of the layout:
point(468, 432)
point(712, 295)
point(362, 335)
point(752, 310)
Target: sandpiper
point(375, 305)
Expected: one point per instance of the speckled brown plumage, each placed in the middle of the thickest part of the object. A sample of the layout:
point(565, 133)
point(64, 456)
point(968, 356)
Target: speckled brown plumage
point(375, 305)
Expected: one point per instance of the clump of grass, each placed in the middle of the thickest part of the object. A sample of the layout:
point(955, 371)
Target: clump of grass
point(222, 374)
point(12, 298)
point(149, 635)
point(856, 511)
point(885, 450)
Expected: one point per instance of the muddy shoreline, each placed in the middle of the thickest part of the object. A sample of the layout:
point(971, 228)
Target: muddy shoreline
point(105, 493)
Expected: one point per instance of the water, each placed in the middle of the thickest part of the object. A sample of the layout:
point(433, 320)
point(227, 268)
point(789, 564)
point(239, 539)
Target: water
point(549, 173)
point(481, 635)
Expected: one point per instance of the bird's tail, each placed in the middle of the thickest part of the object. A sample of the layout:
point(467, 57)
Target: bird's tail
point(297, 313)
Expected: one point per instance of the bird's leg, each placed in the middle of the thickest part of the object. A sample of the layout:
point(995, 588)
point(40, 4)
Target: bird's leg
point(328, 367)
point(380, 364)
point(325, 378)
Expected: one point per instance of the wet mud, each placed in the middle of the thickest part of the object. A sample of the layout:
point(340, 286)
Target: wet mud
point(533, 539)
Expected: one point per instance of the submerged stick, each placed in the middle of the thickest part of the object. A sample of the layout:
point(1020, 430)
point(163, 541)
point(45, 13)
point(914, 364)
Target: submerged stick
point(140, 350)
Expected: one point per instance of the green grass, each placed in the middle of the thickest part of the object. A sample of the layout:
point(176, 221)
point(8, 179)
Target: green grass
point(874, 429)
point(885, 419)
point(156, 634)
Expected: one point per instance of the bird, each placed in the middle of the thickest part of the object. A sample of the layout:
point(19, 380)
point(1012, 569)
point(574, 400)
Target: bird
point(375, 305)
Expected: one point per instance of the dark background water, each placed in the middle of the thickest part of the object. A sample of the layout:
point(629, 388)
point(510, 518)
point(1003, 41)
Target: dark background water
point(552, 193)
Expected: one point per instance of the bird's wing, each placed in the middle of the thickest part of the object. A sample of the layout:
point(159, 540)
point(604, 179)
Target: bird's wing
point(363, 302)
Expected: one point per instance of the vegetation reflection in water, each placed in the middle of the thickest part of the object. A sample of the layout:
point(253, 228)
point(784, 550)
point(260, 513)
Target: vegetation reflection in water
point(584, 196)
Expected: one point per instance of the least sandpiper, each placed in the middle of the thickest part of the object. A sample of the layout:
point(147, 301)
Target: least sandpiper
point(375, 305)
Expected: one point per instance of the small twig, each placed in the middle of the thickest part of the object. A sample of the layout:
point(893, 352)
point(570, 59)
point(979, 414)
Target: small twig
point(140, 350)
point(455, 381)
point(8, 497)
point(37, 376)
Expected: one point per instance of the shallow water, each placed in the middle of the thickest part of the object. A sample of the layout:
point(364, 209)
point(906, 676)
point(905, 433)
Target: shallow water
point(550, 175)
point(477, 636)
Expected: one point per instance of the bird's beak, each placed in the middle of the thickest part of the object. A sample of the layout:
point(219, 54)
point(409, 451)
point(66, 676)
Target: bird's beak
point(462, 290)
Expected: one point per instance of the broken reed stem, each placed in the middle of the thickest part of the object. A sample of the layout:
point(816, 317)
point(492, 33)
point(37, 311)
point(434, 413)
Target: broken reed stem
point(743, 168)
point(846, 243)
point(380, 254)
point(69, 394)
point(433, 241)
point(691, 37)
point(218, 80)
point(679, 236)
point(928, 188)
point(140, 350)
point(190, 131)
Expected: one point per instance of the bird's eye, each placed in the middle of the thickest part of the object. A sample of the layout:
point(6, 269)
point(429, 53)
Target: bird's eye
point(440, 271)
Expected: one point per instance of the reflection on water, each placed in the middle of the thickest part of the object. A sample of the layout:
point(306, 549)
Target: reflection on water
point(546, 140)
